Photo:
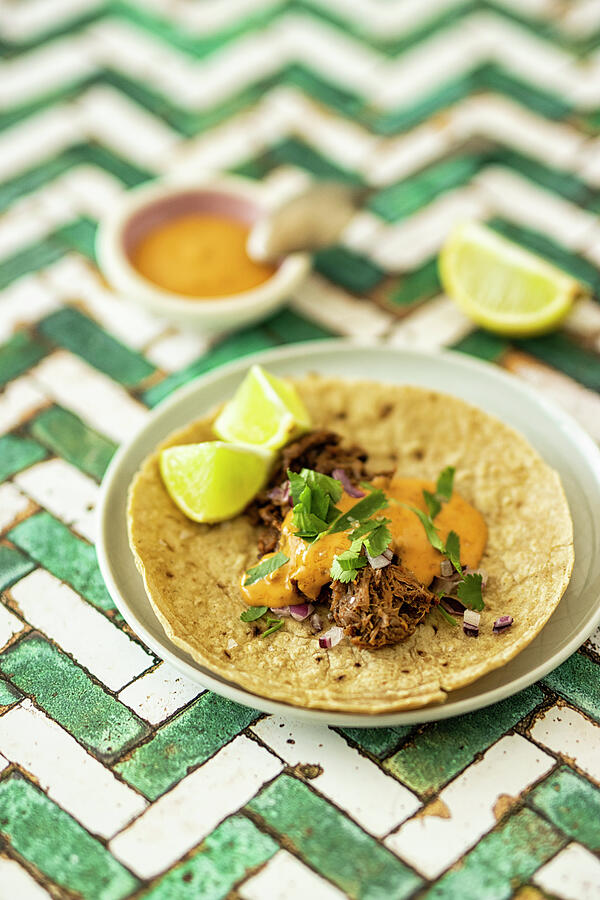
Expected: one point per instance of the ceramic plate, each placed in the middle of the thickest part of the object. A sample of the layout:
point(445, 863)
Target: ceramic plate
point(562, 443)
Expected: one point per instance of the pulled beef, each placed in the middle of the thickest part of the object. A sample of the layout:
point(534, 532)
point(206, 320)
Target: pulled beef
point(318, 450)
point(380, 607)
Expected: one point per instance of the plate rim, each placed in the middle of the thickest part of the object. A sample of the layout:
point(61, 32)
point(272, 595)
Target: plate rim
point(241, 695)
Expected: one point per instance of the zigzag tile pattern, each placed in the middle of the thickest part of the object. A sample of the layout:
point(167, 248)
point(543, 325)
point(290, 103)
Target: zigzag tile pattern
point(118, 778)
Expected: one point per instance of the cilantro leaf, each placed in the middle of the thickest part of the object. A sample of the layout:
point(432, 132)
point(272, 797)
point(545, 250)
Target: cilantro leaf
point(253, 613)
point(430, 530)
point(330, 486)
point(433, 504)
point(453, 550)
point(297, 486)
point(445, 483)
point(469, 591)
point(378, 540)
point(362, 510)
point(265, 568)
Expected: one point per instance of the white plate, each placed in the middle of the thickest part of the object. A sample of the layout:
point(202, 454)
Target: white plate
point(562, 443)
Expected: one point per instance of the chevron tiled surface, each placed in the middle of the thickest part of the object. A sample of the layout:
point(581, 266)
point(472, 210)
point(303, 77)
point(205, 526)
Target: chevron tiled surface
point(118, 778)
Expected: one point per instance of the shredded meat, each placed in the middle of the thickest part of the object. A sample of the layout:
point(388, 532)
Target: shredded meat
point(318, 450)
point(380, 607)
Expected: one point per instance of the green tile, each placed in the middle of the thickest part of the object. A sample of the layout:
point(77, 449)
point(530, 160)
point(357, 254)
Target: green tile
point(70, 558)
point(96, 155)
point(79, 235)
point(441, 750)
point(411, 115)
point(567, 356)
point(8, 693)
point(551, 105)
point(46, 836)
point(572, 804)
point(18, 354)
point(223, 859)
point(483, 344)
point(33, 179)
point(68, 437)
point(556, 253)
point(69, 328)
point(18, 453)
point(31, 259)
point(293, 152)
point(13, 565)
point(578, 679)
point(234, 347)
point(420, 284)
point(354, 272)
point(501, 862)
point(323, 91)
point(559, 181)
point(68, 694)
point(333, 845)
point(288, 326)
point(378, 741)
point(400, 200)
point(183, 743)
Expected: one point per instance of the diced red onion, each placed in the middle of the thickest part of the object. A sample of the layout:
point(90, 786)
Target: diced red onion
point(379, 562)
point(452, 605)
point(502, 623)
point(281, 493)
point(470, 617)
point(316, 623)
point(231, 644)
point(471, 622)
point(280, 611)
point(331, 638)
point(446, 586)
point(350, 489)
point(389, 553)
point(301, 611)
point(446, 568)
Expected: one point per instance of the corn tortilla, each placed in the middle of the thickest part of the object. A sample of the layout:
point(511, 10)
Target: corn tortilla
point(192, 571)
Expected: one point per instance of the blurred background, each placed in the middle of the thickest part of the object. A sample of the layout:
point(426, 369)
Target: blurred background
point(447, 109)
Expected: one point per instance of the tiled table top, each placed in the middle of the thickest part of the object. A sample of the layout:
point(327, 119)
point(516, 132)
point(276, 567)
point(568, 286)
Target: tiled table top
point(119, 778)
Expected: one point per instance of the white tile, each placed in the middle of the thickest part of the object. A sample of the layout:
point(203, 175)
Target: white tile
point(469, 802)
point(398, 157)
point(40, 136)
point(64, 491)
point(174, 351)
point(25, 301)
point(437, 323)
point(286, 878)
point(568, 733)
point(105, 650)
point(377, 801)
point(185, 815)
point(15, 883)
point(93, 190)
point(158, 694)
point(69, 775)
point(19, 400)
point(334, 308)
point(9, 625)
point(24, 21)
point(574, 874)
point(12, 504)
point(72, 383)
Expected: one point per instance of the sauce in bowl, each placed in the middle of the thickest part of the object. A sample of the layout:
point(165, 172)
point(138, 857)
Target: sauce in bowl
point(199, 255)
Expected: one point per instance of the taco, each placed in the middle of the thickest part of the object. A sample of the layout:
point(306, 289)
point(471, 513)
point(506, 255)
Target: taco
point(398, 648)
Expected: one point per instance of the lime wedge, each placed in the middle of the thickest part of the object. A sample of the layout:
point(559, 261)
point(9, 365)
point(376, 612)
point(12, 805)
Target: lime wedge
point(501, 286)
point(213, 481)
point(265, 411)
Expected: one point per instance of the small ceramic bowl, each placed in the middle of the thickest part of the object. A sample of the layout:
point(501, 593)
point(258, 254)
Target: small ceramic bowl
point(146, 207)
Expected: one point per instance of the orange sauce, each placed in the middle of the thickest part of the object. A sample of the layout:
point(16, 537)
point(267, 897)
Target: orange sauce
point(309, 564)
point(199, 256)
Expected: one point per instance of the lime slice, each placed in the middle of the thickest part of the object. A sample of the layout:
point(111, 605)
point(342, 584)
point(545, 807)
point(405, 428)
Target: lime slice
point(264, 411)
point(213, 481)
point(501, 286)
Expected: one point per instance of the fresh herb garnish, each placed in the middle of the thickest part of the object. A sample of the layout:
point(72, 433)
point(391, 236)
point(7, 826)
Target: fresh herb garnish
point(452, 550)
point(443, 491)
point(253, 613)
point(274, 625)
point(446, 615)
point(346, 565)
point(265, 568)
point(469, 591)
point(314, 497)
point(361, 511)
point(430, 529)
